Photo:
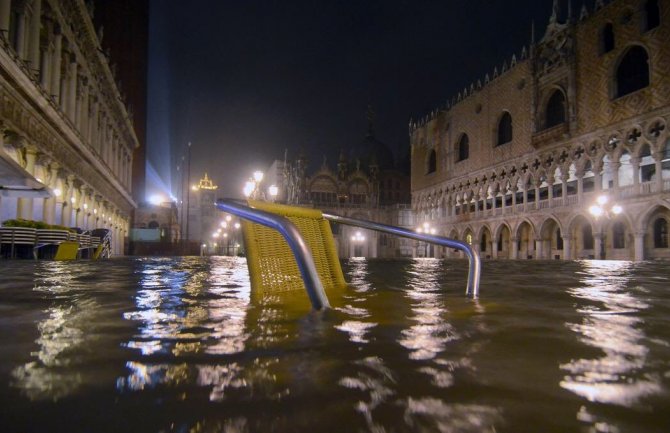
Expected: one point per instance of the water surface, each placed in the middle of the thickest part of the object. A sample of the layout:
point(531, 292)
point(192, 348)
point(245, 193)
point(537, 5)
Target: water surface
point(182, 345)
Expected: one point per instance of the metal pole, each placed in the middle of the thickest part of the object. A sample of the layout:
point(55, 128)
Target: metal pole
point(188, 190)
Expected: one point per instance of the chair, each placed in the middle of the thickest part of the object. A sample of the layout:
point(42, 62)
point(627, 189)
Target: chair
point(272, 266)
point(17, 241)
point(292, 247)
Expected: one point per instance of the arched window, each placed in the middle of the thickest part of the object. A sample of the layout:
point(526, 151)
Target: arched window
point(633, 71)
point(660, 233)
point(618, 235)
point(559, 239)
point(464, 148)
point(652, 15)
point(432, 162)
point(504, 129)
point(482, 244)
point(607, 38)
point(647, 165)
point(555, 109)
point(626, 174)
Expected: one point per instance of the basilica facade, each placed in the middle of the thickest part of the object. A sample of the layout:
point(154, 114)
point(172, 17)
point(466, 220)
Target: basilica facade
point(63, 119)
point(562, 152)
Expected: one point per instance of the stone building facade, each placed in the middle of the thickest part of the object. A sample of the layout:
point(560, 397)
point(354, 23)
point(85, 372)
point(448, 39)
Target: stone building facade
point(365, 184)
point(63, 119)
point(513, 163)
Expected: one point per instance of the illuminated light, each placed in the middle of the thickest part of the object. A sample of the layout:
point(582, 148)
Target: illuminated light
point(73, 200)
point(39, 180)
point(156, 199)
point(237, 225)
point(228, 217)
point(419, 230)
point(225, 235)
point(194, 187)
point(601, 200)
point(249, 187)
point(273, 190)
point(204, 245)
point(224, 224)
point(258, 176)
point(426, 226)
point(433, 231)
point(595, 210)
point(218, 230)
point(215, 234)
point(95, 211)
point(215, 244)
point(85, 206)
point(58, 192)
point(616, 209)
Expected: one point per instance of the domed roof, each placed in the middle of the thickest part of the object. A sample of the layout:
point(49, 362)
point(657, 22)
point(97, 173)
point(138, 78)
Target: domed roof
point(370, 150)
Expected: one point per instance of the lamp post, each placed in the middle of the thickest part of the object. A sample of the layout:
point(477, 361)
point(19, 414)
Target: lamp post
point(357, 239)
point(273, 191)
point(252, 188)
point(601, 208)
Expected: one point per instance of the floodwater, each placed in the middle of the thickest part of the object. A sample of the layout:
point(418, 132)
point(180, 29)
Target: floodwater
point(181, 345)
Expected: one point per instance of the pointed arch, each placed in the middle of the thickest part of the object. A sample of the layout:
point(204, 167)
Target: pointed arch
point(632, 71)
point(505, 132)
point(556, 109)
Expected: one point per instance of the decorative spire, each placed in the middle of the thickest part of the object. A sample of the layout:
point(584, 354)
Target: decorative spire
point(554, 12)
point(206, 183)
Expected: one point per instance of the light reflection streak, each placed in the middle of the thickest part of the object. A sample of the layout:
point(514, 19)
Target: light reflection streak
point(63, 334)
point(611, 323)
point(184, 309)
point(430, 333)
point(358, 277)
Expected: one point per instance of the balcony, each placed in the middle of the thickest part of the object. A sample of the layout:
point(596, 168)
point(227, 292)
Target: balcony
point(550, 135)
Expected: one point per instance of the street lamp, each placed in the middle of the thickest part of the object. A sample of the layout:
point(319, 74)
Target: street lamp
point(357, 240)
point(601, 208)
point(273, 191)
point(252, 186)
point(427, 229)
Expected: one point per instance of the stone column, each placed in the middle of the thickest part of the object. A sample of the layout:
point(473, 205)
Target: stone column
point(25, 205)
point(45, 67)
point(639, 245)
point(658, 158)
point(598, 245)
point(494, 249)
point(66, 214)
point(580, 188)
point(34, 42)
point(515, 248)
point(72, 90)
point(49, 209)
point(5, 13)
point(567, 251)
point(56, 65)
point(537, 196)
point(564, 191)
point(21, 33)
point(538, 249)
point(550, 190)
point(635, 163)
point(615, 174)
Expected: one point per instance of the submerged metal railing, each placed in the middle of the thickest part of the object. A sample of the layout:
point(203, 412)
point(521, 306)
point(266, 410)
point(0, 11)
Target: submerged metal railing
point(303, 256)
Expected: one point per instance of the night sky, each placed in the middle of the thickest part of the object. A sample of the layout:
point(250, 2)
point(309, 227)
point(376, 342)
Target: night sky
point(244, 80)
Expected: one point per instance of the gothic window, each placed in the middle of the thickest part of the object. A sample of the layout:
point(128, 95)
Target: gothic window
point(504, 129)
point(633, 71)
point(482, 244)
point(432, 162)
point(463, 148)
point(587, 234)
point(652, 15)
point(660, 233)
point(607, 38)
point(618, 235)
point(559, 239)
point(625, 170)
point(555, 109)
point(647, 165)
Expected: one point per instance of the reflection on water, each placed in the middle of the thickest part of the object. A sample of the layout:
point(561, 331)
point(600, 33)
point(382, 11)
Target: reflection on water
point(430, 333)
point(610, 322)
point(180, 345)
point(61, 335)
point(185, 310)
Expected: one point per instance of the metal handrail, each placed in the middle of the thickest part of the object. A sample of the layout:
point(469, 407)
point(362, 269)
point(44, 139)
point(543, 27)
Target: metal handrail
point(301, 252)
point(474, 269)
point(303, 256)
